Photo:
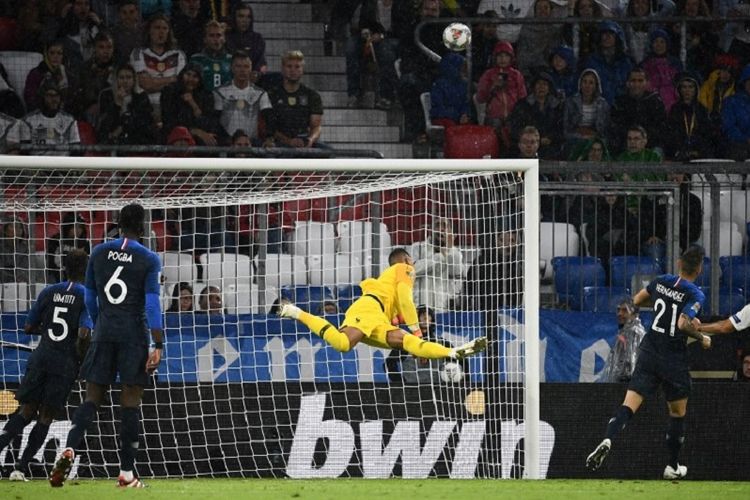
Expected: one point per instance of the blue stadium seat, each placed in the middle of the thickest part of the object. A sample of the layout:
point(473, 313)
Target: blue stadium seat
point(624, 268)
point(730, 301)
point(348, 294)
point(735, 272)
point(572, 274)
point(603, 298)
point(704, 279)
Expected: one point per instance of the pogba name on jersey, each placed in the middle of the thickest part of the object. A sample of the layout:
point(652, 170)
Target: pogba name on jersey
point(119, 256)
point(672, 294)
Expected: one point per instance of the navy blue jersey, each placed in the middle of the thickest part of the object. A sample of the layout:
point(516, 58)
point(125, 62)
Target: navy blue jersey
point(120, 275)
point(671, 296)
point(56, 315)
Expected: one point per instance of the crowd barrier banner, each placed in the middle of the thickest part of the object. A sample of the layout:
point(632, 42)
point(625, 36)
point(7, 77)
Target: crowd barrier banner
point(378, 431)
point(255, 348)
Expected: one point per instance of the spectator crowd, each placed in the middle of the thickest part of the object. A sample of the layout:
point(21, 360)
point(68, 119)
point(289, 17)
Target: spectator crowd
point(130, 72)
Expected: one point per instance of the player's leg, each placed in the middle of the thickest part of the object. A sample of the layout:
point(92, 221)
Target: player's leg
point(399, 339)
point(37, 437)
point(342, 340)
point(82, 418)
point(17, 422)
point(130, 422)
point(675, 438)
point(617, 423)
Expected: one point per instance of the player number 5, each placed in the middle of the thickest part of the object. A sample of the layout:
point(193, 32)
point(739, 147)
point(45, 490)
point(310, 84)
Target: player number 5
point(115, 280)
point(60, 321)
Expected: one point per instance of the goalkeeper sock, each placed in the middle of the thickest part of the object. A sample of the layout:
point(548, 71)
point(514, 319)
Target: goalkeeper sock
point(128, 437)
point(82, 418)
point(327, 331)
point(12, 428)
point(619, 421)
point(36, 440)
point(424, 349)
point(675, 438)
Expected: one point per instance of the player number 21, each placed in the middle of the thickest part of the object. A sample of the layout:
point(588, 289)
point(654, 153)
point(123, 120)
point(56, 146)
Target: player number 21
point(116, 281)
point(661, 307)
point(60, 321)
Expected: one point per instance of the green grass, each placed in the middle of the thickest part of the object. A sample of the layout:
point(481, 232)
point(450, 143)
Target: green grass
point(391, 489)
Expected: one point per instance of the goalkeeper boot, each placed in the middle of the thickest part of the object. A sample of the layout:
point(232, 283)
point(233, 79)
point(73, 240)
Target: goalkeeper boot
point(469, 349)
point(133, 483)
point(289, 310)
point(679, 473)
point(596, 459)
point(62, 467)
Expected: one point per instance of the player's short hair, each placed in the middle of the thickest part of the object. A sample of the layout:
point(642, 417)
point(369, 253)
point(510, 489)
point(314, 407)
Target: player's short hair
point(397, 255)
point(75, 263)
point(692, 258)
point(132, 218)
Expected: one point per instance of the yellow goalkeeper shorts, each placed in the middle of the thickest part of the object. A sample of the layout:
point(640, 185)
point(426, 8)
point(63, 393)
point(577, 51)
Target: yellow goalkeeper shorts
point(367, 316)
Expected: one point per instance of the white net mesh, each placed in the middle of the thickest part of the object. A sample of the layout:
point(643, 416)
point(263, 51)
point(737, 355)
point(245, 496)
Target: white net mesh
point(242, 392)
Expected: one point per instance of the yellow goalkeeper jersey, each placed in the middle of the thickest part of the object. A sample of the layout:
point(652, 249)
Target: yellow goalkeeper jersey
point(394, 290)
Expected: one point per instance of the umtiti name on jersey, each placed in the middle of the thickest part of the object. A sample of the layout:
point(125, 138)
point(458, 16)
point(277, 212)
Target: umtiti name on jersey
point(119, 256)
point(672, 294)
point(63, 298)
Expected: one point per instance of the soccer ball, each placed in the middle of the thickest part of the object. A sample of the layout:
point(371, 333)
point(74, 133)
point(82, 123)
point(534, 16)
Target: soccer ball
point(456, 36)
point(451, 373)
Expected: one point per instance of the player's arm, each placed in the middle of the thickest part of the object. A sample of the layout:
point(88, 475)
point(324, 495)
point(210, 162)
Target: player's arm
point(153, 314)
point(642, 298)
point(688, 324)
point(89, 298)
point(736, 322)
point(405, 297)
point(85, 325)
point(33, 317)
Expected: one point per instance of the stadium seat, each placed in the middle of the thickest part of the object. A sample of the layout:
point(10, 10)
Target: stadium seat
point(625, 269)
point(471, 141)
point(38, 267)
point(338, 269)
point(347, 295)
point(281, 270)
point(310, 298)
point(731, 238)
point(704, 278)
point(224, 269)
point(178, 267)
point(556, 239)
point(313, 238)
point(18, 64)
point(15, 297)
point(735, 272)
point(731, 300)
point(603, 298)
point(435, 133)
point(8, 33)
point(248, 299)
point(355, 237)
point(572, 274)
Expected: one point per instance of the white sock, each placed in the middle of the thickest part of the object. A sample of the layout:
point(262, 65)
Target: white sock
point(126, 475)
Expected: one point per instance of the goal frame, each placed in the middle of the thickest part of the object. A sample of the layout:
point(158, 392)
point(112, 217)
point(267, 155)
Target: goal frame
point(529, 169)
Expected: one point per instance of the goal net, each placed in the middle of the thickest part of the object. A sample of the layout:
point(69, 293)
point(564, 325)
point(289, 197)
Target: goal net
point(241, 392)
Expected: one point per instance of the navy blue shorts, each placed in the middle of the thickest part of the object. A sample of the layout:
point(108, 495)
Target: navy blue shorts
point(652, 371)
point(104, 360)
point(43, 386)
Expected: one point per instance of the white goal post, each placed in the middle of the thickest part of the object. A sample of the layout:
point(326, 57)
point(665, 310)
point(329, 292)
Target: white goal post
point(241, 393)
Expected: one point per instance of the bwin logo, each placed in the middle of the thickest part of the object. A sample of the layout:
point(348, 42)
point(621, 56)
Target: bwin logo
point(417, 461)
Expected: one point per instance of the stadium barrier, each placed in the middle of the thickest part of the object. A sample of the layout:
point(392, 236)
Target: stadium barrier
point(379, 431)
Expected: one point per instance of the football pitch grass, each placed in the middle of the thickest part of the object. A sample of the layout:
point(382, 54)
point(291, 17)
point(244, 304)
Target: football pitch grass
point(392, 489)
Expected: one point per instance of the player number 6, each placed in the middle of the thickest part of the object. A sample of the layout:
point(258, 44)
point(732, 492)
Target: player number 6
point(115, 280)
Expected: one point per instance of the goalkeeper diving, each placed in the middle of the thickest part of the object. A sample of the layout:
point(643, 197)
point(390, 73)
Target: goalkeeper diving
point(385, 301)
